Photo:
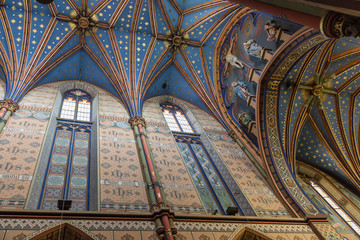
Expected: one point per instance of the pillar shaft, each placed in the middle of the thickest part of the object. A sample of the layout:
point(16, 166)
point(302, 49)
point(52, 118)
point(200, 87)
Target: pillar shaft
point(157, 196)
point(144, 166)
point(150, 165)
point(2, 112)
point(4, 119)
point(153, 162)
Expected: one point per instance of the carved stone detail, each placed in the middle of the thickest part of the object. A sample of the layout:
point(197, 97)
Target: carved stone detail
point(136, 120)
point(9, 104)
point(337, 25)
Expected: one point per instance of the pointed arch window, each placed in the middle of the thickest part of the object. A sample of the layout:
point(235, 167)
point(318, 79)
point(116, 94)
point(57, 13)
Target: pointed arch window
point(67, 174)
point(176, 119)
point(76, 105)
point(339, 211)
point(214, 193)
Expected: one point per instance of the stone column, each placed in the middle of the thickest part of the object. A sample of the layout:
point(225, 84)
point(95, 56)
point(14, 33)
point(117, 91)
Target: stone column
point(7, 108)
point(161, 210)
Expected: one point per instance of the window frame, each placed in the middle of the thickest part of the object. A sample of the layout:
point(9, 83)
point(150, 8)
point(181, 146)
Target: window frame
point(314, 185)
point(173, 109)
point(190, 138)
point(77, 100)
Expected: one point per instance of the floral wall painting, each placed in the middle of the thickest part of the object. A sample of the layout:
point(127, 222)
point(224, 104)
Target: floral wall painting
point(242, 53)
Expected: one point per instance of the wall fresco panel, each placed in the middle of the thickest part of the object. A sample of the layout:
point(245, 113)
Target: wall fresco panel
point(247, 176)
point(178, 187)
point(121, 179)
point(110, 106)
point(153, 113)
point(122, 186)
point(41, 98)
point(208, 122)
point(20, 144)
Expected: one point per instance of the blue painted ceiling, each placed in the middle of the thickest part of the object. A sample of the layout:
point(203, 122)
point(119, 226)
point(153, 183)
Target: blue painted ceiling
point(122, 49)
point(124, 46)
point(324, 131)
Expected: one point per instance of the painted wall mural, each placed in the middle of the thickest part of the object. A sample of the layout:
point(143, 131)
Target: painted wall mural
point(122, 186)
point(243, 56)
point(250, 181)
point(178, 186)
point(20, 144)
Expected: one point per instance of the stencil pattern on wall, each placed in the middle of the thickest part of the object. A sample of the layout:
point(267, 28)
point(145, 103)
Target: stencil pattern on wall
point(41, 98)
point(178, 187)
point(68, 168)
point(91, 225)
point(208, 184)
point(20, 144)
point(249, 179)
point(122, 184)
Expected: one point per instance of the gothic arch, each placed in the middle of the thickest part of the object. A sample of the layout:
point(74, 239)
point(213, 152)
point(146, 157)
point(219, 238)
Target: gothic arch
point(245, 208)
point(65, 227)
point(37, 183)
point(245, 231)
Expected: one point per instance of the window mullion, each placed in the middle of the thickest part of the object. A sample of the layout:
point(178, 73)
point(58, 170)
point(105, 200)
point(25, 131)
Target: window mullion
point(177, 121)
point(69, 165)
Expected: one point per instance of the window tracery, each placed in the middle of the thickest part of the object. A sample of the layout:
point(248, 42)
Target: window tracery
point(67, 174)
point(213, 192)
point(76, 106)
point(343, 215)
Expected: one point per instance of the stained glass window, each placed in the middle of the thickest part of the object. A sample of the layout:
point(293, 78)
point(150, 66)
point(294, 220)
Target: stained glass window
point(176, 119)
point(76, 106)
point(171, 121)
point(335, 206)
point(213, 192)
point(67, 174)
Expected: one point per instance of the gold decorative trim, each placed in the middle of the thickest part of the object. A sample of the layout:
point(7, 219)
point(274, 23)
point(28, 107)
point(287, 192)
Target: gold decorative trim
point(9, 104)
point(136, 120)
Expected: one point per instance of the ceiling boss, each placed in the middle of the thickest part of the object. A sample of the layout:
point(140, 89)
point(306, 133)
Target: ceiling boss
point(84, 21)
point(176, 39)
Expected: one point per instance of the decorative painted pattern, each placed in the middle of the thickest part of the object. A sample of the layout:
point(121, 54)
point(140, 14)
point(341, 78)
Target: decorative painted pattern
point(176, 180)
point(277, 158)
point(67, 173)
point(20, 144)
point(121, 179)
point(252, 184)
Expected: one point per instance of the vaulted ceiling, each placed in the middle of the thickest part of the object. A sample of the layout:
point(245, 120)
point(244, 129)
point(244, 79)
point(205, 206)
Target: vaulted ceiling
point(320, 108)
point(135, 49)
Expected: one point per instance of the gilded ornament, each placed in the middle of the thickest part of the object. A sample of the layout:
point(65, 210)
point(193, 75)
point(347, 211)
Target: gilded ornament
point(9, 105)
point(83, 21)
point(176, 39)
point(135, 121)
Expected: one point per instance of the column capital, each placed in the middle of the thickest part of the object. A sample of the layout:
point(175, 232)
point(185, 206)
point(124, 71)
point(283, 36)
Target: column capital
point(136, 120)
point(9, 104)
point(337, 25)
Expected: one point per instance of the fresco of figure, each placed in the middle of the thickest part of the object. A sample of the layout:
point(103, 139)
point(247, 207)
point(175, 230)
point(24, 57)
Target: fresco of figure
point(244, 119)
point(272, 28)
point(228, 56)
point(252, 48)
point(240, 89)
